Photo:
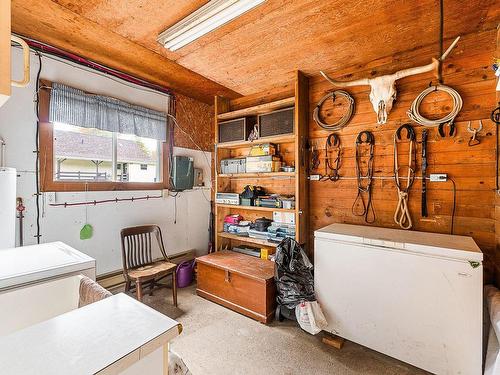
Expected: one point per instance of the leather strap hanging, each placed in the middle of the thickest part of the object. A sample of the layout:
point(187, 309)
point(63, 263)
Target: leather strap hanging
point(364, 181)
point(424, 173)
point(333, 153)
point(402, 215)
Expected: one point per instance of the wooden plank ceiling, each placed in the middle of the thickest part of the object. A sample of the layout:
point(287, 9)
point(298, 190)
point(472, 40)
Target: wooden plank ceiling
point(256, 52)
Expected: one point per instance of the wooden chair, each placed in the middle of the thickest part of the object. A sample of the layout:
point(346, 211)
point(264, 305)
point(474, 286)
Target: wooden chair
point(138, 264)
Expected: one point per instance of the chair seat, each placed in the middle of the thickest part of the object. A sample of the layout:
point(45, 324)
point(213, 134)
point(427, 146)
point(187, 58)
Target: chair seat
point(151, 271)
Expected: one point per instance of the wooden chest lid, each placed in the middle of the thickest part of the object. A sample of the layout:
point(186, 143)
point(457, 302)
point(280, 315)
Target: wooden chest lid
point(245, 265)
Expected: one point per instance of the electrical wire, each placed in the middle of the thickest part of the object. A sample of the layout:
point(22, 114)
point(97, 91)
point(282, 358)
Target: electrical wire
point(209, 163)
point(124, 82)
point(414, 112)
point(175, 209)
point(96, 202)
point(454, 204)
point(82, 64)
point(37, 150)
point(441, 38)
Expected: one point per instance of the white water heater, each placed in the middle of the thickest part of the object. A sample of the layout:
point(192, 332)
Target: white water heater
point(7, 208)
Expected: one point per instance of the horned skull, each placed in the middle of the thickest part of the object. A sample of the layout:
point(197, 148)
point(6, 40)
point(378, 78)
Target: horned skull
point(383, 89)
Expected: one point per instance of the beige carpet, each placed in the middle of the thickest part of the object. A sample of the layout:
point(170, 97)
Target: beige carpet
point(218, 341)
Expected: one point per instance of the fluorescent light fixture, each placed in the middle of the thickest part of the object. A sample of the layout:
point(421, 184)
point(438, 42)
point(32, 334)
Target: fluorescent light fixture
point(209, 17)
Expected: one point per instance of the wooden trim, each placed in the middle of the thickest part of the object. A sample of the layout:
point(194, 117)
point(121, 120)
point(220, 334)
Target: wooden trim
point(301, 132)
point(221, 105)
point(46, 147)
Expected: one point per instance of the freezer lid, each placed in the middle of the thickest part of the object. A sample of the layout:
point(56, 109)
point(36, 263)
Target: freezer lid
point(452, 246)
point(27, 264)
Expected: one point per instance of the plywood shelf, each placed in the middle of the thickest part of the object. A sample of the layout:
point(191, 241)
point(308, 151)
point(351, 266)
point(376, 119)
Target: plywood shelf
point(254, 208)
point(291, 149)
point(257, 175)
point(288, 138)
point(258, 109)
point(247, 239)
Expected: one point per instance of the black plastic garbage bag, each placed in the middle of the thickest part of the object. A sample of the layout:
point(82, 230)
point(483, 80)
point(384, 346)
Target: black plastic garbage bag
point(293, 274)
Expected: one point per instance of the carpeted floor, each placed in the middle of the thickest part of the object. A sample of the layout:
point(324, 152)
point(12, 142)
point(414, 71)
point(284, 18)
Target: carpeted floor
point(218, 341)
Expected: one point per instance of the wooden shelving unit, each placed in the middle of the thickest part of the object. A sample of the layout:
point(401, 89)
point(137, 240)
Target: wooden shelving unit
point(291, 147)
point(254, 241)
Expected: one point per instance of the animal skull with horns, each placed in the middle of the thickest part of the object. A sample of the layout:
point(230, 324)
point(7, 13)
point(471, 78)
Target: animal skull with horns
point(383, 89)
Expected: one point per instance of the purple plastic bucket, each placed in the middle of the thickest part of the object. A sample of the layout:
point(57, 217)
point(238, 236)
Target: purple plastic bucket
point(185, 273)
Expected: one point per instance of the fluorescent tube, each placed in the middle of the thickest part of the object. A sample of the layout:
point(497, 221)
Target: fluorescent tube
point(209, 17)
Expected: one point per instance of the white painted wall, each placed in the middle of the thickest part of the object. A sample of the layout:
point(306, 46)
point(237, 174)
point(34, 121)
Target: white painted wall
point(17, 127)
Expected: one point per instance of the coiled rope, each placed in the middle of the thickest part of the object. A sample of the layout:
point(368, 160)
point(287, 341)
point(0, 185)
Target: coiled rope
point(344, 120)
point(414, 111)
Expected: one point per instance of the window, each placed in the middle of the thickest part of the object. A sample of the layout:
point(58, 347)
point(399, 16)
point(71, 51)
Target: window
point(76, 155)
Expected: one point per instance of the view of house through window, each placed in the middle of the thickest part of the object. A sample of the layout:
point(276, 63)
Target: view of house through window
point(87, 154)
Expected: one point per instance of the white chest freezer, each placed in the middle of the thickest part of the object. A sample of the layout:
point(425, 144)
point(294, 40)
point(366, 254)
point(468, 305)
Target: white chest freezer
point(39, 282)
point(21, 266)
point(411, 295)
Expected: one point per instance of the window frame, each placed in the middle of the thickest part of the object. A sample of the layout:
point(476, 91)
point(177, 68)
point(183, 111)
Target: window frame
point(46, 153)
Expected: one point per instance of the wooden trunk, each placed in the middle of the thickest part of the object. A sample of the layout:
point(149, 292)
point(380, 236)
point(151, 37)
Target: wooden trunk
point(239, 282)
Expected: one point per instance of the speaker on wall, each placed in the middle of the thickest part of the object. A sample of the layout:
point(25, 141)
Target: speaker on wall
point(278, 122)
point(236, 130)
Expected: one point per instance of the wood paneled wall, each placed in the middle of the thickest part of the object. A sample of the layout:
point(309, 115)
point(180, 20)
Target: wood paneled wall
point(468, 70)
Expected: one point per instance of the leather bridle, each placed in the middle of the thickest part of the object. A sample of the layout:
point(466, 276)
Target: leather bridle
point(333, 158)
point(365, 138)
point(402, 215)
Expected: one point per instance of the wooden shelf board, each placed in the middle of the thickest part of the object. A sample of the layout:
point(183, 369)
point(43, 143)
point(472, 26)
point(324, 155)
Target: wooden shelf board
point(247, 239)
point(254, 208)
point(277, 139)
point(258, 109)
point(257, 175)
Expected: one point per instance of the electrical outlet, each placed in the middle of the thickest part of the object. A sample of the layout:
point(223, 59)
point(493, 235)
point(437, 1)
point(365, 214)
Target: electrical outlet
point(438, 177)
point(314, 177)
point(51, 197)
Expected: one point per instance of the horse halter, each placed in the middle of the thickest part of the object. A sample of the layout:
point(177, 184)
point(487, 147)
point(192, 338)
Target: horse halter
point(365, 138)
point(402, 215)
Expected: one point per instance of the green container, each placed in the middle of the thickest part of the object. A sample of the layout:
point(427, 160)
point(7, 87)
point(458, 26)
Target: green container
point(246, 201)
